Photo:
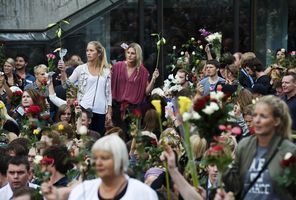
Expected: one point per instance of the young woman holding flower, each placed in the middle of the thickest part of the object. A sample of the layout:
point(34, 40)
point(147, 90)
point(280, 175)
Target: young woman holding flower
point(94, 85)
point(130, 83)
point(260, 154)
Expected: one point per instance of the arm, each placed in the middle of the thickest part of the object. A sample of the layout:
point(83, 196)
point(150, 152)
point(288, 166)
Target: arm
point(6, 87)
point(151, 84)
point(109, 100)
point(208, 51)
point(186, 190)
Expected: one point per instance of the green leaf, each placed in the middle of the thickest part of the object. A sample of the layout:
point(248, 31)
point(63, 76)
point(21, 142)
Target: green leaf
point(51, 25)
point(66, 22)
point(154, 34)
point(59, 32)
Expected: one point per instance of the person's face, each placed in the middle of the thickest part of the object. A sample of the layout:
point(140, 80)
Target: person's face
point(20, 63)
point(131, 55)
point(17, 176)
point(288, 84)
point(7, 68)
point(26, 100)
point(211, 70)
point(213, 173)
point(182, 77)
point(66, 116)
point(91, 53)
point(263, 120)
point(280, 55)
point(84, 120)
point(41, 75)
point(249, 71)
point(249, 120)
point(75, 58)
point(31, 156)
point(237, 60)
point(104, 164)
point(279, 91)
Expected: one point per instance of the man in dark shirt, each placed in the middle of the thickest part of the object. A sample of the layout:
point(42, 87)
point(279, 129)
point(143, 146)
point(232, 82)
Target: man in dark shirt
point(289, 89)
point(21, 62)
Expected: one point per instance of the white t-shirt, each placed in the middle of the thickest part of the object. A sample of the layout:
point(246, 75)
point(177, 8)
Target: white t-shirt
point(88, 84)
point(6, 192)
point(88, 190)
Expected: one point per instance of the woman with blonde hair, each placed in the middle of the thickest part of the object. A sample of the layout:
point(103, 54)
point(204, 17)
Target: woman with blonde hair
point(130, 83)
point(94, 85)
point(6, 122)
point(258, 157)
point(8, 69)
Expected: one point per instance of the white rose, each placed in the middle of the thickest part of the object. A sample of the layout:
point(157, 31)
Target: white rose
point(193, 52)
point(186, 116)
point(37, 159)
point(171, 77)
point(82, 130)
point(192, 39)
point(210, 109)
point(288, 156)
point(283, 50)
point(201, 47)
point(182, 53)
point(217, 95)
point(174, 47)
point(195, 115)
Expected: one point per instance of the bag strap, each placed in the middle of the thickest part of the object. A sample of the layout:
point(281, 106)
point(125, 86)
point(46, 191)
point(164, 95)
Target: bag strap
point(95, 92)
point(245, 192)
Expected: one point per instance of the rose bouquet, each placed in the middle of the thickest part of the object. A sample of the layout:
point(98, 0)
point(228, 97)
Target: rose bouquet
point(215, 39)
point(16, 98)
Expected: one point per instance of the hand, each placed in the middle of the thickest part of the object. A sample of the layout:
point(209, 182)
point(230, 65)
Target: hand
point(237, 110)
point(207, 48)
point(155, 74)
point(61, 66)
point(169, 155)
point(49, 192)
point(199, 88)
point(222, 195)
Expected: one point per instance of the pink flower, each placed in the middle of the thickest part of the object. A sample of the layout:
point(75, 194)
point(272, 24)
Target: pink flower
point(222, 127)
point(236, 130)
point(50, 56)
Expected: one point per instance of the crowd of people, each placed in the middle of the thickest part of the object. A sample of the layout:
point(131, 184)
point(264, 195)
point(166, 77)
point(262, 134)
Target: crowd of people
point(93, 131)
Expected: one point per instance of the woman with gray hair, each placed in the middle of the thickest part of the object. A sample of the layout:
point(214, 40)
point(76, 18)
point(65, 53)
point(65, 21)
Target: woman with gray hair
point(111, 162)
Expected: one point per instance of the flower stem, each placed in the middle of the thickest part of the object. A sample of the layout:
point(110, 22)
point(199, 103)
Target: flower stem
point(167, 181)
point(190, 155)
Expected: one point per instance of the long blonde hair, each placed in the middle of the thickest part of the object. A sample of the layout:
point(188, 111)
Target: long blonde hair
point(102, 58)
point(139, 53)
point(279, 110)
point(4, 115)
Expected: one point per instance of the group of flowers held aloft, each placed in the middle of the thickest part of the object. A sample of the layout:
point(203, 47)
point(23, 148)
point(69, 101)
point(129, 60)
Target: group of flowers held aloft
point(219, 127)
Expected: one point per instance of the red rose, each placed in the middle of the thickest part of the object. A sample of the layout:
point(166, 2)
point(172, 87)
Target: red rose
point(137, 113)
point(217, 148)
point(47, 160)
point(18, 93)
point(201, 103)
point(285, 163)
point(154, 142)
point(44, 82)
point(33, 109)
point(252, 130)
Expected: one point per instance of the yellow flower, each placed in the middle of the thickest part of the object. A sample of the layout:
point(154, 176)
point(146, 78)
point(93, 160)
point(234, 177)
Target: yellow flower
point(184, 104)
point(1, 105)
point(36, 131)
point(157, 105)
point(60, 127)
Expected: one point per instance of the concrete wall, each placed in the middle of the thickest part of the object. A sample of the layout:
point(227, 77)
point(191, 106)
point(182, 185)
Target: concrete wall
point(36, 14)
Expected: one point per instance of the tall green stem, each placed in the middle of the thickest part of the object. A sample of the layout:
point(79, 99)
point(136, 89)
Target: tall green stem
point(190, 155)
point(167, 181)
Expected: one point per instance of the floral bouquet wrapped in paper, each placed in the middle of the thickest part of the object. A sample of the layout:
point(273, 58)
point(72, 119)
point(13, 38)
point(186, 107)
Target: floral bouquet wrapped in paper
point(215, 39)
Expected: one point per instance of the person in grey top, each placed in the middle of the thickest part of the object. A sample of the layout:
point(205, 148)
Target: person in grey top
point(209, 83)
